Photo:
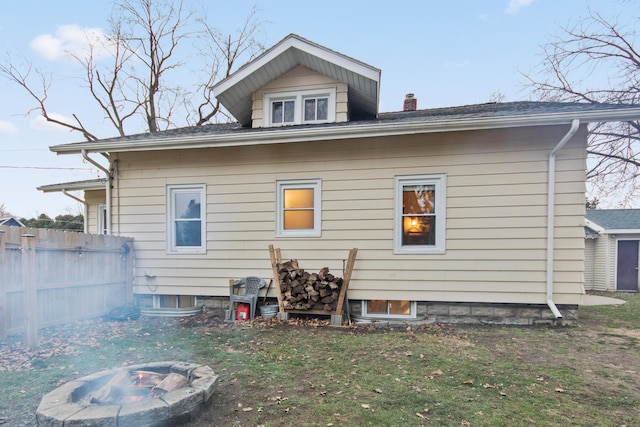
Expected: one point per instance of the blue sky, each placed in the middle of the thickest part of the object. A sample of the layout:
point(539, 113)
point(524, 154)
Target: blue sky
point(445, 52)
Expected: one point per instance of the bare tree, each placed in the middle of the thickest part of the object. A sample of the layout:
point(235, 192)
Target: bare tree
point(3, 211)
point(132, 73)
point(224, 53)
point(575, 65)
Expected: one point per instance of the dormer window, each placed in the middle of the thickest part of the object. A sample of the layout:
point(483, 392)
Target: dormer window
point(283, 111)
point(316, 109)
point(300, 107)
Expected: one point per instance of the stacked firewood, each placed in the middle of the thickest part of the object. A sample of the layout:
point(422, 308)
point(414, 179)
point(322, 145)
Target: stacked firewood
point(308, 291)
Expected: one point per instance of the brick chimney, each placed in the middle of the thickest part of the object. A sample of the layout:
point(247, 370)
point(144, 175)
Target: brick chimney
point(410, 103)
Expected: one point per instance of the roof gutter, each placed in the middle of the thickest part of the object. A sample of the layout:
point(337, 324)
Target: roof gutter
point(368, 130)
point(551, 193)
point(107, 186)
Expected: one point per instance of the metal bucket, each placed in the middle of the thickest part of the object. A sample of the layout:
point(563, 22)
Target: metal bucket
point(268, 311)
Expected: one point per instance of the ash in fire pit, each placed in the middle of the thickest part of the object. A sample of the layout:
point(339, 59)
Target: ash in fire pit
point(154, 394)
point(133, 386)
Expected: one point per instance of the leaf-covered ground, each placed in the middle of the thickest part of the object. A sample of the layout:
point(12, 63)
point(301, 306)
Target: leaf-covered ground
point(307, 373)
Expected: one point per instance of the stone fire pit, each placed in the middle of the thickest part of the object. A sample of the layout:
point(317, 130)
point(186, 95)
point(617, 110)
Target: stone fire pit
point(85, 401)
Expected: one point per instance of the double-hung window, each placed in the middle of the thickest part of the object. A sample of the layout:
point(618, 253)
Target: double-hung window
point(300, 107)
point(420, 214)
point(298, 212)
point(186, 219)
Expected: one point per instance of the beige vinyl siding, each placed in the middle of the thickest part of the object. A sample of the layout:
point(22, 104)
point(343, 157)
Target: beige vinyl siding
point(600, 265)
point(589, 254)
point(93, 198)
point(611, 264)
point(301, 78)
point(496, 215)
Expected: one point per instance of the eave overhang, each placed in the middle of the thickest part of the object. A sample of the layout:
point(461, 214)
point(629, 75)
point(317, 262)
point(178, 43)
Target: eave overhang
point(348, 131)
point(621, 231)
point(595, 227)
point(93, 184)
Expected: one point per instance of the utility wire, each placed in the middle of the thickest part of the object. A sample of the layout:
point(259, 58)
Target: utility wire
point(44, 167)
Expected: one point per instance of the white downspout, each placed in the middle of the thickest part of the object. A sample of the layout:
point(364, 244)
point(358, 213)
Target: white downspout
point(551, 193)
point(86, 209)
point(107, 188)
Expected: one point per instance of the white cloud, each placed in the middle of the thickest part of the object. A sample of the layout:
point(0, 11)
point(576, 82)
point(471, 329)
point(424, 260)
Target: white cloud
point(71, 40)
point(41, 124)
point(515, 6)
point(7, 128)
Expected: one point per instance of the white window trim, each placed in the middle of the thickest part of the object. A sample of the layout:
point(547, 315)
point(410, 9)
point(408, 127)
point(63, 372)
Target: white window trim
point(170, 226)
point(299, 97)
point(101, 220)
point(440, 183)
point(316, 184)
point(412, 312)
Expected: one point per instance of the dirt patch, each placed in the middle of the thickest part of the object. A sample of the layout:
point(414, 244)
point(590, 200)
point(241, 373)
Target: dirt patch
point(605, 358)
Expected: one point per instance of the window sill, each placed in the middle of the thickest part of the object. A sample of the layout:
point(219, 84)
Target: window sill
point(419, 251)
point(187, 252)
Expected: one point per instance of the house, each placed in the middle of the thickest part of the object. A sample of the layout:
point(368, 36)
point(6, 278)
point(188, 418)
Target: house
point(11, 222)
point(469, 213)
point(93, 198)
point(611, 249)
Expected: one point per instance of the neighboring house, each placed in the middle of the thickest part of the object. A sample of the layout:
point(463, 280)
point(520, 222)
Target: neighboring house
point(93, 199)
point(611, 249)
point(11, 221)
point(471, 213)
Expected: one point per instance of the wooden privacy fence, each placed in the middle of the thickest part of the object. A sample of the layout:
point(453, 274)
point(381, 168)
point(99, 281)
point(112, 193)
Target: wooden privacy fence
point(50, 277)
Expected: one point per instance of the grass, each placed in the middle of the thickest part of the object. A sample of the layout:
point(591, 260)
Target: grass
point(616, 316)
point(288, 374)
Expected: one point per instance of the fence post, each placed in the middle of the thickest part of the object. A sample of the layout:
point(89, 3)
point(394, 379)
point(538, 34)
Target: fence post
point(3, 287)
point(30, 290)
point(130, 269)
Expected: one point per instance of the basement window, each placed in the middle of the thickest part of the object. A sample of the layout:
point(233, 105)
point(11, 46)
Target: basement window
point(174, 301)
point(389, 309)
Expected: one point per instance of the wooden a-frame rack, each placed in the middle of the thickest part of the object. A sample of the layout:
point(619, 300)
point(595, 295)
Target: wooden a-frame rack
point(276, 258)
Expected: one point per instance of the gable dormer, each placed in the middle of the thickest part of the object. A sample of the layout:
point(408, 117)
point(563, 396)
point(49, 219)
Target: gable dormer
point(300, 96)
point(300, 82)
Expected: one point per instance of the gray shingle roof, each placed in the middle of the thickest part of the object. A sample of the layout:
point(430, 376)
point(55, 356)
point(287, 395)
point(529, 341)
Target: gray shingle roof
point(426, 117)
point(615, 219)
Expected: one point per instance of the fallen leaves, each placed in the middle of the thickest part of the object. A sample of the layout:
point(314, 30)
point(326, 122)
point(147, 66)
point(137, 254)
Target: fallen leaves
point(65, 340)
point(424, 413)
point(278, 399)
point(434, 374)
